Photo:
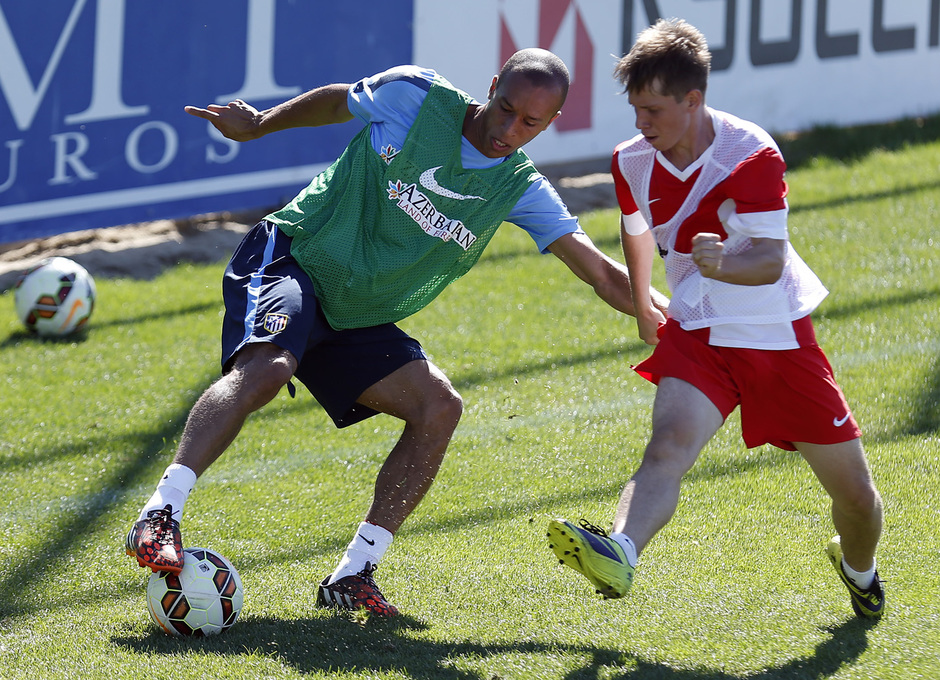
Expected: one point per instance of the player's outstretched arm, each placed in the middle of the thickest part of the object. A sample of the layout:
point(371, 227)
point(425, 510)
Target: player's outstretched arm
point(242, 122)
point(609, 278)
point(651, 313)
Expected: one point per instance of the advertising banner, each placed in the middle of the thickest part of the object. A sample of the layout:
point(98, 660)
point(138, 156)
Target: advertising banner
point(92, 127)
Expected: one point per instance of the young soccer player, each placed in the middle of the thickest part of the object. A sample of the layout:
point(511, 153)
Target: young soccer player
point(706, 190)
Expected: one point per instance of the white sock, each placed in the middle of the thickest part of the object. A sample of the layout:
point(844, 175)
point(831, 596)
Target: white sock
point(173, 490)
point(629, 547)
point(863, 579)
point(369, 545)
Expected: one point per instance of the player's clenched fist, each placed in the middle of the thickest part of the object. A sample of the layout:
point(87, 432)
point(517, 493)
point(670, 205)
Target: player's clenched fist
point(706, 253)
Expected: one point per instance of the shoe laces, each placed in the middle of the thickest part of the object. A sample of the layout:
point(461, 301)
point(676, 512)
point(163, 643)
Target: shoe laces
point(593, 528)
point(877, 585)
point(160, 523)
point(367, 574)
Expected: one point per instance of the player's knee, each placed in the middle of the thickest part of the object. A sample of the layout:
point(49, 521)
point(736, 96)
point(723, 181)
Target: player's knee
point(862, 502)
point(276, 375)
point(448, 407)
point(441, 411)
point(263, 372)
point(668, 456)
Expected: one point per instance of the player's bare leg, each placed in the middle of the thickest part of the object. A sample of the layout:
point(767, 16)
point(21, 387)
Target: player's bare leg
point(419, 394)
point(422, 396)
point(259, 371)
point(857, 513)
point(684, 419)
point(856, 505)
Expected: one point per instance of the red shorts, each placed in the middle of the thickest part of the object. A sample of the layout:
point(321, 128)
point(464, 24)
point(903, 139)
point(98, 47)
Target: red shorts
point(785, 396)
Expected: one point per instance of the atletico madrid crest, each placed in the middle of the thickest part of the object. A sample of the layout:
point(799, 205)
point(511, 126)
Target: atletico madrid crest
point(275, 323)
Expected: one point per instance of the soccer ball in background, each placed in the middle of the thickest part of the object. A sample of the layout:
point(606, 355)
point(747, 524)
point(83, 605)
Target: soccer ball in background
point(205, 598)
point(55, 298)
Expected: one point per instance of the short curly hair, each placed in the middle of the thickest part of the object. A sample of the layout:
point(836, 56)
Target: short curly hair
point(672, 55)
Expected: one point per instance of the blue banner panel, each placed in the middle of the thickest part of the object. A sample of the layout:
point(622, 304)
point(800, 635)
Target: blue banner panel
point(92, 127)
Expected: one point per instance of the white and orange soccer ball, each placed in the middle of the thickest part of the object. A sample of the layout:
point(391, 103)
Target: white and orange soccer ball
point(205, 598)
point(55, 298)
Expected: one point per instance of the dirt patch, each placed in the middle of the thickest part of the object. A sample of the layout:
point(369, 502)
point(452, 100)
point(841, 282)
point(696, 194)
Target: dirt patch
point(138, 251)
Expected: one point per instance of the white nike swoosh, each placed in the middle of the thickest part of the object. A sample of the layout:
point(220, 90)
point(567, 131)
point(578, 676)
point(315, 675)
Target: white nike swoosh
point(653, 200)
point(428, 182)
point(839, 422)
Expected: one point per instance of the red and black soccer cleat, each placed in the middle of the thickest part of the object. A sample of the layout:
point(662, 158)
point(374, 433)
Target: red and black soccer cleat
point(156, 541)
point(356, 592)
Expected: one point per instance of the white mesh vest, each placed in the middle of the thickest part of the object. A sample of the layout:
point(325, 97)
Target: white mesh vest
point(698, 302)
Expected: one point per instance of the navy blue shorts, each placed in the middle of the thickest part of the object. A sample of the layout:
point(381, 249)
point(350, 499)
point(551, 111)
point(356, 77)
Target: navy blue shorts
point(269, 298)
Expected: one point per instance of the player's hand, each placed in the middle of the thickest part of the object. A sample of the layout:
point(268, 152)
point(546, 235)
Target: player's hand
point(236, 120)
point(706, 254)
point(648, 325)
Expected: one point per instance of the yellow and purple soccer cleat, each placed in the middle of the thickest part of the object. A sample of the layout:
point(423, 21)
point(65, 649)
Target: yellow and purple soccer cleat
point(588, 550)
point(868, 603)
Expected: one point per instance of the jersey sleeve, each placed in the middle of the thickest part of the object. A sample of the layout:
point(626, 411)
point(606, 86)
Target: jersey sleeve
point(543, 215)
point(624, 195)
point(630, 218)
point(759, 191)
point(393, 96)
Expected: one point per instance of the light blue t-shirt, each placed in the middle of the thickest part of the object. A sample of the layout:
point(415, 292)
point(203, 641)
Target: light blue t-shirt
point(390, 101)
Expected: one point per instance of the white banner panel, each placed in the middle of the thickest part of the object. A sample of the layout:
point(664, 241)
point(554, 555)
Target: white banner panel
point(785, 64)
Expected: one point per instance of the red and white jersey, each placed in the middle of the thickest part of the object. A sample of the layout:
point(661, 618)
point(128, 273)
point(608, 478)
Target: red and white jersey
point(735, 189)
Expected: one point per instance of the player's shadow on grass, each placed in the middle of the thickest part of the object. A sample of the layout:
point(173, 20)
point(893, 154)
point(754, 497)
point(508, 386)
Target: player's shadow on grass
point(339, 643)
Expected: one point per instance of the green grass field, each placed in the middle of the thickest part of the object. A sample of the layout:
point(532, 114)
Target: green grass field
point(737, 586)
